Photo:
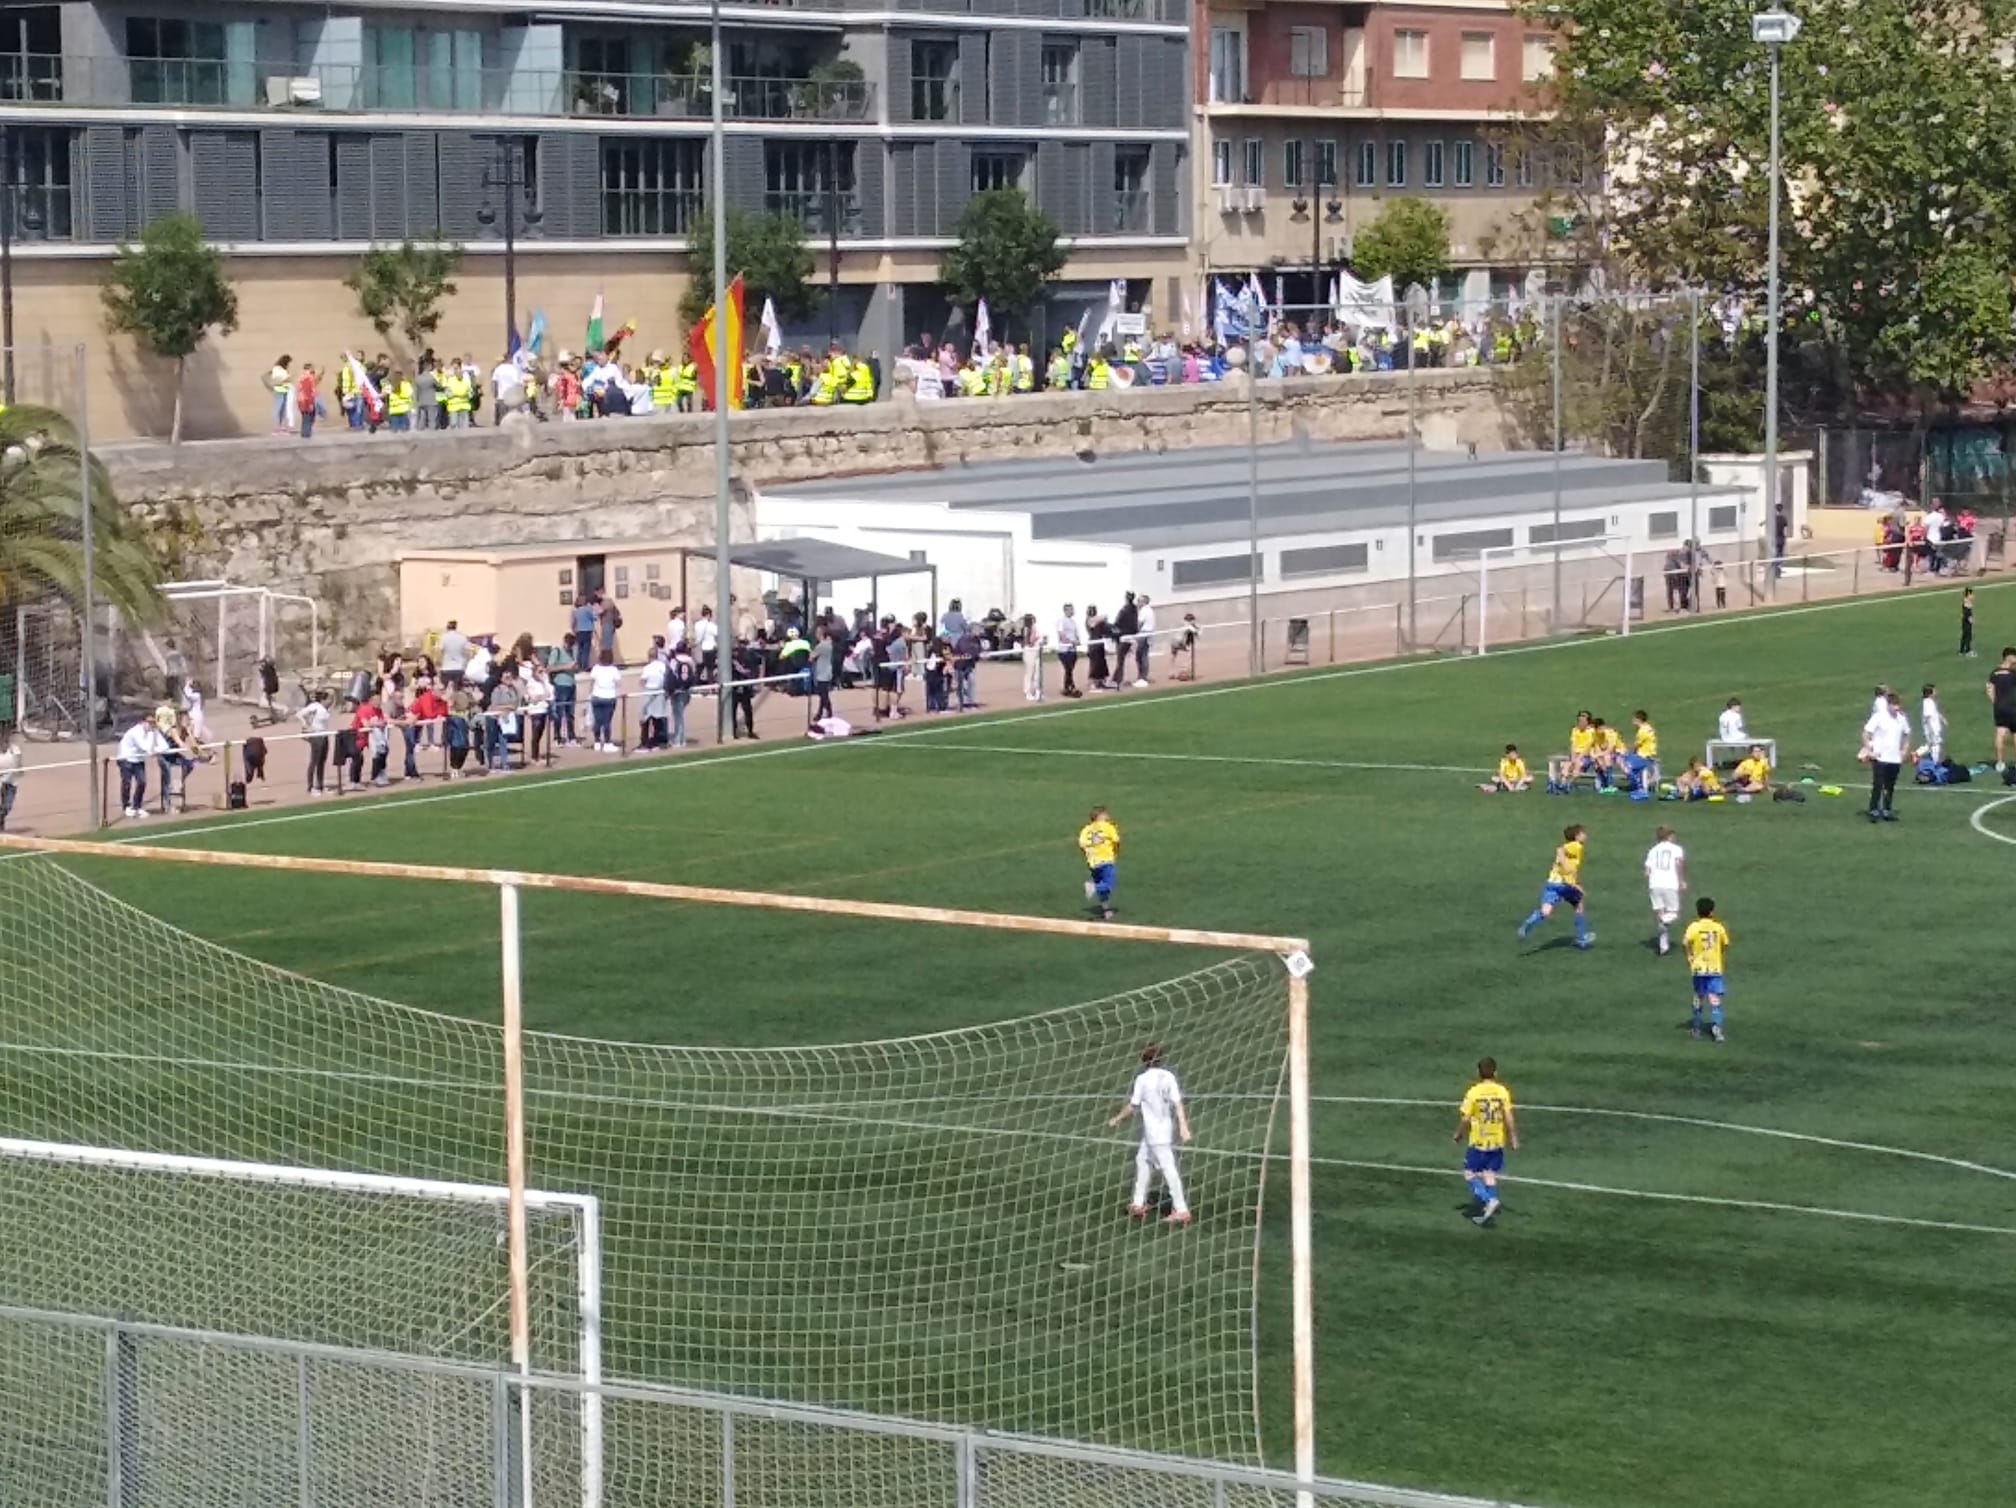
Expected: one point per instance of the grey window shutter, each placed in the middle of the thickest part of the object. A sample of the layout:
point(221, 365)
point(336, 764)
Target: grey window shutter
point(1096, 80)
point(955, 185)
point(1164, 188)
point(388, 187)
point(423, 202)
point(107, 215)
point(161, 151)
point(222, 168)
point(1130, 87)
point(896, 93)
point(461, 165)
point(353, 187)
point(869, 161)
point(973, 80)
point(746, 179)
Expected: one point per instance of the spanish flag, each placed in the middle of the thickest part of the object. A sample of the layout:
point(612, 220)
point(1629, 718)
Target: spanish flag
point(700, 348)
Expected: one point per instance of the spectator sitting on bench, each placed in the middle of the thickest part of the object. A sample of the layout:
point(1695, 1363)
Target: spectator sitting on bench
point(1752, 775)
point(1729, 727)
point(1697, 782)
point(1512, 773)
point(1609, 752)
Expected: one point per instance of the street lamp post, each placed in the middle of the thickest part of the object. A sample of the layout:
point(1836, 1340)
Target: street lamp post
point(1772, 29)
point(507, 174)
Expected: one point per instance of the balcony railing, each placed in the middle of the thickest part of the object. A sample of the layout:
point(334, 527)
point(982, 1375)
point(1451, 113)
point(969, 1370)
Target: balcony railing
point(1128, 214)
point(810, 207)
point(1290, 89)
point(215, 83)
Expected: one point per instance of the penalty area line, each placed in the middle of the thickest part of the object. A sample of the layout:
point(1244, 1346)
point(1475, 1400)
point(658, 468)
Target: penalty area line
point(1768, 1206)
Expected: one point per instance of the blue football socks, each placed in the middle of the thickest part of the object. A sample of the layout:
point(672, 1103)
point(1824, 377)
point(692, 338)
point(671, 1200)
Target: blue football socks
point(1715, 1015)
point(1478, 1189)
point(1531, 922)
point(1581, 928)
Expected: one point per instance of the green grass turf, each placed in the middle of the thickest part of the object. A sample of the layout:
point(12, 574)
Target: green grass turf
point(1598, 1347)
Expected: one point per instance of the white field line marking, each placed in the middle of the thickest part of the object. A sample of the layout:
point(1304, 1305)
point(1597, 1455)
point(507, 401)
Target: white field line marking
point(1978, 819)
point(369, 804)
point(1293, 764)
point(1296, 764)
point(1768, 1205)
point(951, 1129)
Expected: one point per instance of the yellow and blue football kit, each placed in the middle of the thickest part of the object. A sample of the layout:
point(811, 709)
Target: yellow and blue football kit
point(1099, 841)
point(1563, 887)
point(1704, 942)
point(1487, 1124)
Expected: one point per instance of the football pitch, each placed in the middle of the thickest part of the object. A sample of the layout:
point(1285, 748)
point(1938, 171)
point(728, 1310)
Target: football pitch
point(1774, 1271)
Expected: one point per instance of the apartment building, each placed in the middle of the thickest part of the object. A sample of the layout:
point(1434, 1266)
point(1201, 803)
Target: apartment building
point(300, 134)
point(1312, 115)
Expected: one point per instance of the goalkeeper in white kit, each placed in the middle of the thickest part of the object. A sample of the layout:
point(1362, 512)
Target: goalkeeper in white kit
point(1159, 1098)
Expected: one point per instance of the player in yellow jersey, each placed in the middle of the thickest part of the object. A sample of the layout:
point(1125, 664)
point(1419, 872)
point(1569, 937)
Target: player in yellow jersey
point(1705, 941)
point(1609, 752)
point(1752, 775)
point(1099, 842)
point(1564, 887)
point(1486, 1121)
point(1643, 760)
point(1512, 773)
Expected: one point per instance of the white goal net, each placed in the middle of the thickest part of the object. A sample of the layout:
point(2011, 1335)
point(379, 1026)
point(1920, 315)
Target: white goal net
point(934, 1228)
point(1529, 591)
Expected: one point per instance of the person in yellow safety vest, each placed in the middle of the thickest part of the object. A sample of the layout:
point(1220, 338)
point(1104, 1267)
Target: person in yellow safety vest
point(794, 377)
point(664, 378)
point(1099, 374)
point(997, 375)
point(346, 397)
point(860, 383)
point(1131, 352)
point(971, 383)
point(532, 390)
point(1069, 343)
point(399, 402)
point(1501, 346)
point(1025, 371)
point(828, 389)
point(1059, 377)
point(461, 391)
point(685, 385)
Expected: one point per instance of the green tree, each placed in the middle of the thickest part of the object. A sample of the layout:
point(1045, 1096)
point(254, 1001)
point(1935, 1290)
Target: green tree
point(1006, 253)
point(1898, 217)
point(168, 293)
point(42, 523)
point(1408, 238)
point(402, 288)
point(767, 249)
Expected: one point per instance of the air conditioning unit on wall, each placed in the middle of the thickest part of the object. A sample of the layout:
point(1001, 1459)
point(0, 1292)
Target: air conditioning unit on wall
point(1256, 197)
point(1231, 199)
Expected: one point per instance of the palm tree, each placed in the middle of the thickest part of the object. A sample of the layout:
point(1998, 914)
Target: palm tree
point(42, 528)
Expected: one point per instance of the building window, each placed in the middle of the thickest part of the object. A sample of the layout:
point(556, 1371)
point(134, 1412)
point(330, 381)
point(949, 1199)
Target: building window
point(1130, 191)
point(1308, 52)
point(1410, 54)
point(1228, 65)
point(1722, 520)
point(1060, 83)
point(1522, 167)
point(1466, 164)
point(1291, 164)
point(1256, 162)
point(1467, 543)
point(807, 179)
point(1365, 173)
point(651, 188)
point(1479, 60)
point(997, 170)
point(934, 80)
point(1494, 165)
point(1536, 59)
point(1221, 161)
point(1581, 528)
point(42, 183)
point(1431, 164)
point(1213, 570)
point(418, 68)
point(1326, 164)
point(1325, 560)
point(1663, 526)
point(1396, 164)
point(176, 62)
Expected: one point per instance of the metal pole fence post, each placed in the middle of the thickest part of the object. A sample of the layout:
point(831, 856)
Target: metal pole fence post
point(303, 1436)
point(1413, 429)
point(1554, 354)
point(725, 660)
point(90, 656)
point(500, 1440)
point(1771, 318)
point(1254, 652)
point(727, 1461)
point(1694, 447)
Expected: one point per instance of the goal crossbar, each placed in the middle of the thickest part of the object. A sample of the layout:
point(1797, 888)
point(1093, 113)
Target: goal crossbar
point(1293, 952)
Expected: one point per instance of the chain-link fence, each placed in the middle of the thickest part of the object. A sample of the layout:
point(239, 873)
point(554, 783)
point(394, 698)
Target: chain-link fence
point(103, 1414)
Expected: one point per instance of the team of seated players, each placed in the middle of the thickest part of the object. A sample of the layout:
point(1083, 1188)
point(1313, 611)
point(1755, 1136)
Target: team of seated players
point(1599, 753)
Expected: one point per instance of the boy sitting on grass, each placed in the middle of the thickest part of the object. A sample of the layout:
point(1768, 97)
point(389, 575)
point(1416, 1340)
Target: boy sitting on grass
point(1512, 773)
point(1697, 782)
point(1752, 775)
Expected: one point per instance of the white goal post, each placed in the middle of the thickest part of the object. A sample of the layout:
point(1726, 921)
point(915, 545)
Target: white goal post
point(1500, 562)
point(672, 1140)
point(370, 1262)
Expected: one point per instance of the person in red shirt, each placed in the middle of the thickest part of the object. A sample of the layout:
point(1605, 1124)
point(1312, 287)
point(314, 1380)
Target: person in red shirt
point(423, 715)
point(307, 400)
point(368, 729)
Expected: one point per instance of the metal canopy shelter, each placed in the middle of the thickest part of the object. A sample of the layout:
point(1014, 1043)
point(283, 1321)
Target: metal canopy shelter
point(811, 562)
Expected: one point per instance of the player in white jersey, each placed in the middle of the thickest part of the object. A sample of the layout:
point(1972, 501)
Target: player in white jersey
point(1665, 878)
point(1159, 1098)
point(1932, 726)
